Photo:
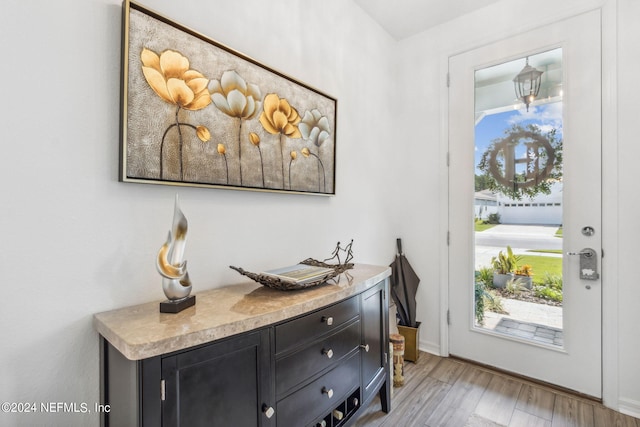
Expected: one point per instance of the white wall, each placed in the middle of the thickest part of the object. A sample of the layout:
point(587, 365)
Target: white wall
point(75, 241)
point(422, 65)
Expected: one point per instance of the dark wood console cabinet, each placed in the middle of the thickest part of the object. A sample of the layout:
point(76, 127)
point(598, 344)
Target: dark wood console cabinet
point(318, 368)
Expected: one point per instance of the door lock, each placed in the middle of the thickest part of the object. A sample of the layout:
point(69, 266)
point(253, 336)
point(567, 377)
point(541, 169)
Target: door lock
point(588, 264)
point(588, 231)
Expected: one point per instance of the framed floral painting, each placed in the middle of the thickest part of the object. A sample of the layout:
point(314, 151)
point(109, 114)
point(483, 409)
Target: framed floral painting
point(197, 113)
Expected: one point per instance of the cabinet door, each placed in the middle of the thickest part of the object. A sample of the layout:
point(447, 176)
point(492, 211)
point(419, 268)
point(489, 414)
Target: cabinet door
point(374, 346)
point(222, 384)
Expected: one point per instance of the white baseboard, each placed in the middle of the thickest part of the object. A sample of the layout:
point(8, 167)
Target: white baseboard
point(430, 347)
point(629, 407)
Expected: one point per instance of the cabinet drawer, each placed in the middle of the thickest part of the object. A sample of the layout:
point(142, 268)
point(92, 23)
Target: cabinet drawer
point(311, 326)
point(317, 356)
point(321, 395)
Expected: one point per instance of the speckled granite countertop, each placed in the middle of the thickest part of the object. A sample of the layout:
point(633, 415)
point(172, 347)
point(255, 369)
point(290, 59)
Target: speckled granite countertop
point(141, 331)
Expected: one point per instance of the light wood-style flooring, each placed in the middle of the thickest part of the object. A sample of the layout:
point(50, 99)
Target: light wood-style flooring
point(444, 392)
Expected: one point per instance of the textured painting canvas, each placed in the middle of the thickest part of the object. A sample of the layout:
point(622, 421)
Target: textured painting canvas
point(198, 113)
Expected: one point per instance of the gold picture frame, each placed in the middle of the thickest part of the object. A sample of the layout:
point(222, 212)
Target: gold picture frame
point(197, 113)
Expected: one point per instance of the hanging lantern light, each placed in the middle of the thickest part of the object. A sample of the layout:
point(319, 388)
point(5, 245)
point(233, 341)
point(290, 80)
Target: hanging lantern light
point(527, 84)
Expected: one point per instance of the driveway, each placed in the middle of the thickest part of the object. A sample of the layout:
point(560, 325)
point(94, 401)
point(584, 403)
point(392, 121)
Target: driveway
point(522, 229)
point(521, 238)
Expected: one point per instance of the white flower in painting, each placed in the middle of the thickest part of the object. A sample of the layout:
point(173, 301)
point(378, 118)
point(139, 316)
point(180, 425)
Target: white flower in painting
point(234, 97)
point(314, 127)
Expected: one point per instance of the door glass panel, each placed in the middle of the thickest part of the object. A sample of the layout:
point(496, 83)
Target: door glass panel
point(518, 199)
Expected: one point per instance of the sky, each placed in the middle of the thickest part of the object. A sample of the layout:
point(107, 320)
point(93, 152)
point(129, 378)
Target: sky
point(547, 117)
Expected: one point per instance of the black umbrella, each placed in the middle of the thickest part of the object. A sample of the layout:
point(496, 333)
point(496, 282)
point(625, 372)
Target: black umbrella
point(404, 285)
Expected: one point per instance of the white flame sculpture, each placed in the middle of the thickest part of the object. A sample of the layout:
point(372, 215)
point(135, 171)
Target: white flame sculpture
point(170, 262)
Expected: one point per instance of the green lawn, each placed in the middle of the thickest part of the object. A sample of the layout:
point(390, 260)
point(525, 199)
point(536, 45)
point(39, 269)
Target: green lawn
point(542, 264)
point(482, 227)
point(546, 251)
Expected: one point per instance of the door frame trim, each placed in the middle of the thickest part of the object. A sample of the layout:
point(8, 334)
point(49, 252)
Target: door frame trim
point(610, 231)
point(609, 86)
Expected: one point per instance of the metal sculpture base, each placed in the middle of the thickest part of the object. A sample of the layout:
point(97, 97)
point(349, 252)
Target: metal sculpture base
point(169, 306)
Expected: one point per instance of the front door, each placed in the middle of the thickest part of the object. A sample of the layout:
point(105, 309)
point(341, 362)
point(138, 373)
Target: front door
point(525, 204)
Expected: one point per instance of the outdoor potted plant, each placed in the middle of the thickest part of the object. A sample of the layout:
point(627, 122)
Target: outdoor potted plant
point(525, 274)
point(504, 267)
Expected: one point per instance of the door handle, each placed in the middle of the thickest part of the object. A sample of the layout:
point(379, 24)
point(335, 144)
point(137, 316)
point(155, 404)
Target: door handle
point(585, 252)
point(588, 264)
point(267, 410)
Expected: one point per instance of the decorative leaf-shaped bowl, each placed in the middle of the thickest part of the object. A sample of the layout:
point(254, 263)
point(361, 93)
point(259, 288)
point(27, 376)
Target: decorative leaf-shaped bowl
point(287, 285)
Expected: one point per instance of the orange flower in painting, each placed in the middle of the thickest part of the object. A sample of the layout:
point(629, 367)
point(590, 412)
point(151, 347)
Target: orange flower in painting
point(203, 133)
point(170, 77)
point(254, 138)
point(280, 117)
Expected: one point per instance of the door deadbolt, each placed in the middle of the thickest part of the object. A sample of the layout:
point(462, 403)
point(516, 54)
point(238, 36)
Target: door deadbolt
point(588, 231)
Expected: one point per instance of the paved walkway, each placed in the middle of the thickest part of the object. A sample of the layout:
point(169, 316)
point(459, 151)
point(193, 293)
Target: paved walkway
point(537, 322)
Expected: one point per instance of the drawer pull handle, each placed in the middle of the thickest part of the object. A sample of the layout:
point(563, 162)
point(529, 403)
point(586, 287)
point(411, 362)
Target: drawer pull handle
point(365, 347)
point(327, 320)
point(338, 415)
point(328, 353)
point(328, 392)
point(268, 410)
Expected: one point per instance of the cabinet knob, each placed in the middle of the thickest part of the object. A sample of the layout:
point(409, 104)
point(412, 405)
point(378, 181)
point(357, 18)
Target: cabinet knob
point(268, 410)
point(328, 392)
point(328, 353)
point(327, 320)
point(365, 347)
